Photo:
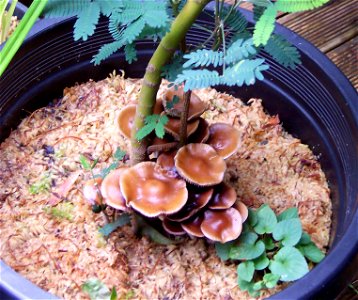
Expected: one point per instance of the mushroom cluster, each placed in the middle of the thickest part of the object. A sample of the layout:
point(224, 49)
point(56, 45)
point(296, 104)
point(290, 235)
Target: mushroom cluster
point(184, 187)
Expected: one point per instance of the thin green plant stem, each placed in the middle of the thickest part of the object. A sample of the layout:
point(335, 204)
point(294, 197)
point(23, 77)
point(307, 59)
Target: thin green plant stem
point(14, 42)
point(6, 21)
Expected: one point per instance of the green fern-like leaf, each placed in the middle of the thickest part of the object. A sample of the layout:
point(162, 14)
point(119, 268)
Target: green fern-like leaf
point(290, 6)
point(244, 72)
point(265, 26)
point(130, 53)
point(87, 21)
point(133, 30)
point(64, 8)
point(258, 12)
point(107, 50)
point(235, 19)
point(108, 7)
point(153, 123)
point(239, 50)
point(204, 57)
point(197, 79)
point(282, 51)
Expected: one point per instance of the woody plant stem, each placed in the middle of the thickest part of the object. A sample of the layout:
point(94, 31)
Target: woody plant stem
point(152, 77)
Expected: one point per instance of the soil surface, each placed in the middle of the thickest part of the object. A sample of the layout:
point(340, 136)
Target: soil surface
point(39, 166)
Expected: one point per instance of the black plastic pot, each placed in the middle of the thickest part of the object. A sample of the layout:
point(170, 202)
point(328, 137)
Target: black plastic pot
point(315, 102)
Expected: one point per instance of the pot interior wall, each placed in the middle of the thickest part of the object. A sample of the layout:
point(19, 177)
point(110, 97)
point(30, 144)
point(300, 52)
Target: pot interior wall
point(308, 101)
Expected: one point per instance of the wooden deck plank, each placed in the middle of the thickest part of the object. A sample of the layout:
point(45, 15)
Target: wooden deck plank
point(327, 27)
point(346, 58)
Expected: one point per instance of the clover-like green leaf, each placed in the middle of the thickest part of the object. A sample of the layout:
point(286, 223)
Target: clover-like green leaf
point(247, 251)
point(270, 280)
point(289, 263)
point(261, 262)
point(252, 218)
point(246, 270)
point(223, 250)
point(248, 238)
point(247, 286)
point(258, 285)
point(305, 239)
point(266, 220)
point(288, 231)
point(269, 242)
point(290, 213)
point(312, 252)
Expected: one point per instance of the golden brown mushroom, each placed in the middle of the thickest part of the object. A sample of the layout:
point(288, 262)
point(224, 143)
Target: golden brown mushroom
point(192, 227)
point(91, 191)
point(243, 210)
point(196, 107)
point(173, 127)
point(125, 120)
point(166, 160)
point(224, 197)
point(111, 191)
point(200, 164)
point(222, 225)
point(224, 138)
point(172, 227)
point(197, 199)
point(151, 192)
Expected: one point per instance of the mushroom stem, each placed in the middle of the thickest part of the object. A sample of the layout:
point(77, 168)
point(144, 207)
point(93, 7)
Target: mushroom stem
point(184, 119)
point(152, 78)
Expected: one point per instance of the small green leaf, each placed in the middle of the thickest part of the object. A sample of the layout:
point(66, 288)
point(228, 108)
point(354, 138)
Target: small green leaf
point(174, 101)
point(261, 262)
point(258, 285)
point(247, 286)
point(288, 232)
point(252, 218)
point(289, 263)
point(94, 163)
point(107, 170)
point(266, 220)
point(85, 162)
point(246, 270)
point(290, 213)
point(107, 229)
point(271, 280)
point(114, 295)
point(248, 238)
point(223, 250)
point(265, 26)
point(159, 128)
point(269, 243)
point(312, 252)
point(247, 251)
point(96, 289)
point(305, 239)
point(156, 236)
point(145, 130)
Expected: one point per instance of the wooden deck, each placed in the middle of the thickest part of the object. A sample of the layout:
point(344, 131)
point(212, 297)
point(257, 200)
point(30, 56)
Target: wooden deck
point(333, 29)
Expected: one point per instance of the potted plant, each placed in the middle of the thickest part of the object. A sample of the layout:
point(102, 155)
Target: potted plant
point(146, 123)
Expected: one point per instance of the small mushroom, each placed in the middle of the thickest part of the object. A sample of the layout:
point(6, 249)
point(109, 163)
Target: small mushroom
point(111, 191)
point(224, 197)
point(173, 127)
point(200, 164)
point(202, 133)
point(243, 210)
point(173, 227)
point(197, 199)
point(151, 192)
point(125, 120)
point(224, 138)
point(192, 227)
point(222, 225)
point(196, 107)
point(166, 160)
point(91, 191)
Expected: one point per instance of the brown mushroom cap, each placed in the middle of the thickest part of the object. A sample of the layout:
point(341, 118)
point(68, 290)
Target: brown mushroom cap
point(243, 210)
point(196, 107)
point(91, 191)
point(125, 120)
point(173, 127)
point(197, 199)
point(222, 225)
point(192, 227)
point(151, 192)
point(166, 160)
point(224, 197)
point(200, 164)
point(173, 227)
point(202, 133)
point(111, 191)
point(224, 138)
